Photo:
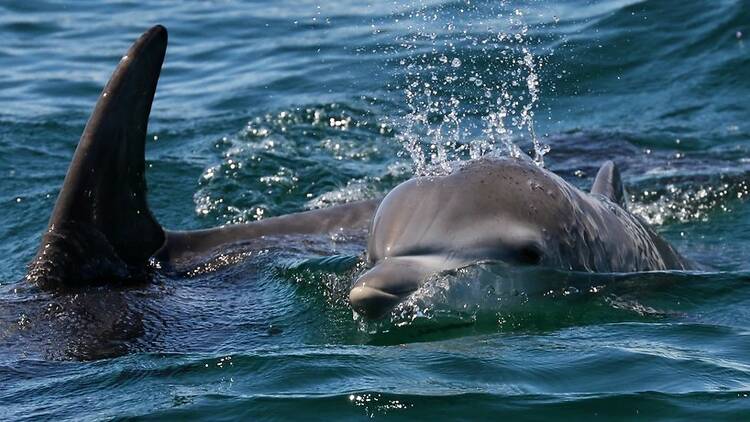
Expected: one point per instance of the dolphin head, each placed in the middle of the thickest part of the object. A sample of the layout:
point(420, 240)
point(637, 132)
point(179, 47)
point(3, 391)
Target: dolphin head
point(488, 210)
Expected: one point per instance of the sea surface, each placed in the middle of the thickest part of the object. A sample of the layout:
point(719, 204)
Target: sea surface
point(267, 108)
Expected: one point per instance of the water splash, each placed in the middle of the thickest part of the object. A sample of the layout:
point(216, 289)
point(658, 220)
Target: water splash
point(471, 83)
point(497, 297)
point(688, 202)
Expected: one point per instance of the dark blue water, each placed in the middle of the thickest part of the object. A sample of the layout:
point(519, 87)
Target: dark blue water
point(265, 108)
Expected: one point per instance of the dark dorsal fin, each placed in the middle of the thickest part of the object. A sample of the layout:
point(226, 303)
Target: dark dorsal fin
point(101, 226)
point(609, 183)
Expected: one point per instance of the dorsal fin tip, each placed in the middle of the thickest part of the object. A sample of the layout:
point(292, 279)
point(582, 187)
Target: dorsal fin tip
point(608, 183)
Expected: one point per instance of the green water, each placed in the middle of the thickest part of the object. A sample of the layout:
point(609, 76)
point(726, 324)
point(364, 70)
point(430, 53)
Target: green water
point(269, 108)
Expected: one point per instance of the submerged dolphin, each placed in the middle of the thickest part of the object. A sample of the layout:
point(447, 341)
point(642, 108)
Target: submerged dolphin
point(101, 228)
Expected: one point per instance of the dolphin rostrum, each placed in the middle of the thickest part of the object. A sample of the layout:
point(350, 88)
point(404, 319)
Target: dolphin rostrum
point(510, 210)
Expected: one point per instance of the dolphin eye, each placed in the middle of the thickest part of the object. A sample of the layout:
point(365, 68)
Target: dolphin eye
point(529, 255)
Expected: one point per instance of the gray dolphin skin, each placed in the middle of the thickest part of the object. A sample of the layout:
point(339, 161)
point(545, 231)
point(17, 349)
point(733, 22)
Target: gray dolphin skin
point(490, 209)
point(508, 210)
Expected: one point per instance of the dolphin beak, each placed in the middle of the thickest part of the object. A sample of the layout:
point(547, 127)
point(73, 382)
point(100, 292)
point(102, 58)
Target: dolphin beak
point(379, 290)
point(372, 303)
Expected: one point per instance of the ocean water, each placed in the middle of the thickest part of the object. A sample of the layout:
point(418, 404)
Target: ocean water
point(266, 108)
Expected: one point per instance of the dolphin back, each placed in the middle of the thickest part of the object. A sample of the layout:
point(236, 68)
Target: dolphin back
point(101, 227)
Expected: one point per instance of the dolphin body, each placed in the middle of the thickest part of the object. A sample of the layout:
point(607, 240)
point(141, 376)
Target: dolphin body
point(510, 210)
point(507, 210)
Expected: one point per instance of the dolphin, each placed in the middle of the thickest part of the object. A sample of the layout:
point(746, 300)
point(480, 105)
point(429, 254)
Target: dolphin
point(101, 229)
point(506, 210)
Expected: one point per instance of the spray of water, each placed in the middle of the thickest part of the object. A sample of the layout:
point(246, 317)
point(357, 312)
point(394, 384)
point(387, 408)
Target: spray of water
point(471, 84)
